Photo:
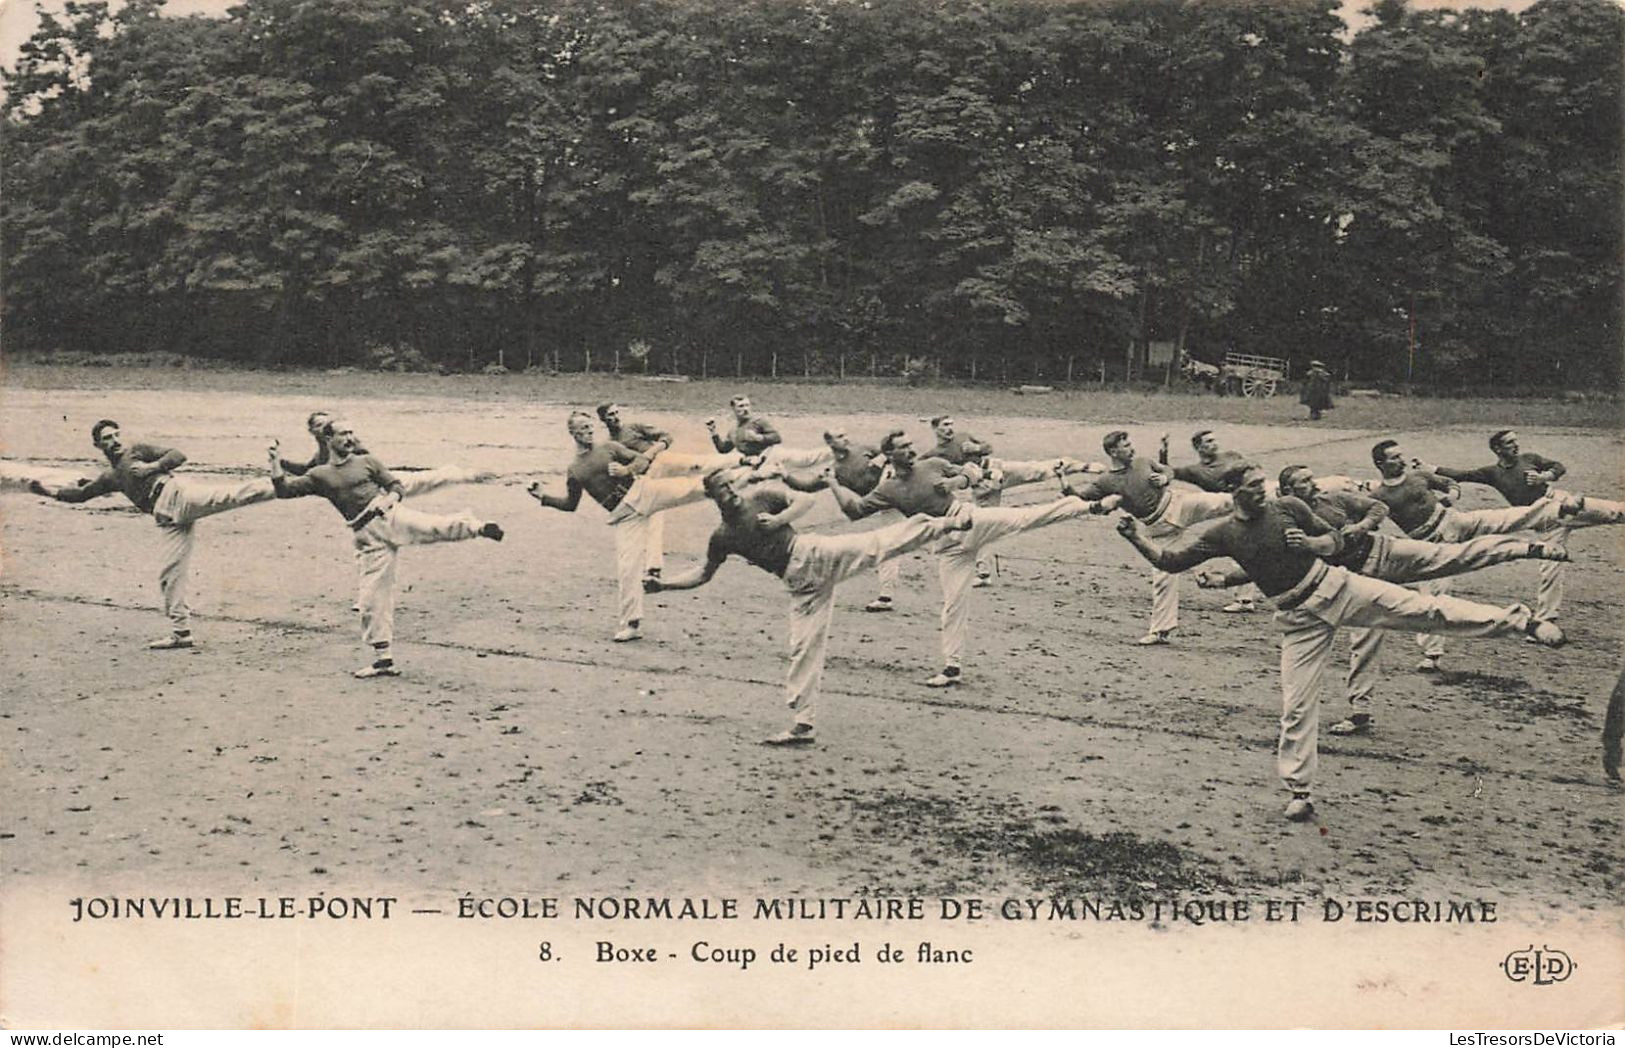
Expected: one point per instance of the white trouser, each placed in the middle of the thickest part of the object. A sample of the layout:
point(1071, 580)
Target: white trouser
point(888, 571)
point(422, 481)
point(817, 564)
point(631, 519)
point(377, 548)
point(798, 458)
point(959, 551)
point(1343, 598)
point(185, 500)
point(1401, 560)
point(1184, 509)
point(1460, 525)
point(676, 463)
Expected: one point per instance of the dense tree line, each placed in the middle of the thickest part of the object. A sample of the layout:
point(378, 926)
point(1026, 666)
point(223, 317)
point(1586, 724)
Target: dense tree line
point(1010, 189)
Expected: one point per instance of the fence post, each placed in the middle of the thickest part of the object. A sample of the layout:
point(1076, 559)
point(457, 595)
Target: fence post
point(775, 364)
point(1069, 359)
point(587, 369)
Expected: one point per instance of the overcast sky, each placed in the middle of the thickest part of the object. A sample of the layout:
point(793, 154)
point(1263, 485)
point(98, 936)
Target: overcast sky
point(19, 17)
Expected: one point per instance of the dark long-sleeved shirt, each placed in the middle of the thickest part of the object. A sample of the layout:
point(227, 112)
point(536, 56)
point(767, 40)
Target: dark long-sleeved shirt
point(960, 449)
point(349, 485)
point(766, 547)
point(1508, 479)
point(1411, 500)
point(751, 437)
point(1133, 482)
point(1343, 508)
point(1258, 545)
point(321, 458)
point(589, 472)
point(927, 488)
point(639, 436)
point(1222, 475)
point(120, 476)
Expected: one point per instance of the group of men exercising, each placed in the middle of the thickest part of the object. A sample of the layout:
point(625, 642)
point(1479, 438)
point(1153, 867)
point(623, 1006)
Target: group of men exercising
point(1310, 547)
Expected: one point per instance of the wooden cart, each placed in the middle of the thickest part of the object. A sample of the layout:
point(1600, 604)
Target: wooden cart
point(1253, 375)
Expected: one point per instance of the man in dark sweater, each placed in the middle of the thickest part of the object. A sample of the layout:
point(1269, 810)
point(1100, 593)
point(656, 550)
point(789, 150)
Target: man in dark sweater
point(1526, 479)
point(928, 485)
point(145, 473)
point(368, 497)
point(413, 481)
point(1392, 559)
point(1413, 495)
point(755, 437)
point(757, 526)
point(1279, 544)
point(654, 444)
point(1143, 483)
point(614, 476)
point(1216, 471)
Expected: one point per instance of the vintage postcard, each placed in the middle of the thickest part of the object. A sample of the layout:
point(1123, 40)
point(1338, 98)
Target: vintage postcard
point(925, 516)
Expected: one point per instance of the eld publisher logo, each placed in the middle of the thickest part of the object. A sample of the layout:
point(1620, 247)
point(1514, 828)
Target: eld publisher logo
point(1542, 967)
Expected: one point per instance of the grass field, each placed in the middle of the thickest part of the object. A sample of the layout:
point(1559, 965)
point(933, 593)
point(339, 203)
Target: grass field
point(521, 748)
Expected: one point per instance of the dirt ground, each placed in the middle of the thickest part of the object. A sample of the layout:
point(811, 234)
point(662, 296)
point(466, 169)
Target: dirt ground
point(522, 749)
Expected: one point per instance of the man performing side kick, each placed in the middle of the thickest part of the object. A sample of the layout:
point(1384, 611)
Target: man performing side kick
point(1279, 544)
point(1415, 506)
point(859, 468)
point(1525, 479)
point(654, 444)
point(1391, 559)
point(1217, 471)
point(1143, 485)
point(614, 475)
point(145, 473)
point(755, 437)
point(368, 497)
point(756, 526)
point(413, 481)
point(927, 486)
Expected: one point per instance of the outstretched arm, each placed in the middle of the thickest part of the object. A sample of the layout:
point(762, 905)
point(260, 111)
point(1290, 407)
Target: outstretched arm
point(568, 504)
point(692, 579)
point(851, 502)
point(286, 487)
point(104, 484)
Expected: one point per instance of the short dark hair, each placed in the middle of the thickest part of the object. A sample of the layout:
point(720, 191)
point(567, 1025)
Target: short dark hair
point(1196, 438)
point(1497, 437)
point(1112, 439)
point(327, 428)
point(96, 430)
point(603, 410)
point(1379, 450)
point(889, 442)
point(714, 482)
point(938, 420)
point(1286, 475)
point(311, 418)
point(734, 400)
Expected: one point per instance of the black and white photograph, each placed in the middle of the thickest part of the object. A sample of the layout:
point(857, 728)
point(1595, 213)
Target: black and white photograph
point(807, 514)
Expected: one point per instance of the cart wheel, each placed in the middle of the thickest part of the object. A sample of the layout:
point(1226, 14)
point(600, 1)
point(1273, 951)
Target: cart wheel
point(1258, 385)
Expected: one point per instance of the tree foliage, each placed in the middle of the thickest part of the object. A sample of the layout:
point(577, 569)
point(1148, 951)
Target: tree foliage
point(1010, 188)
